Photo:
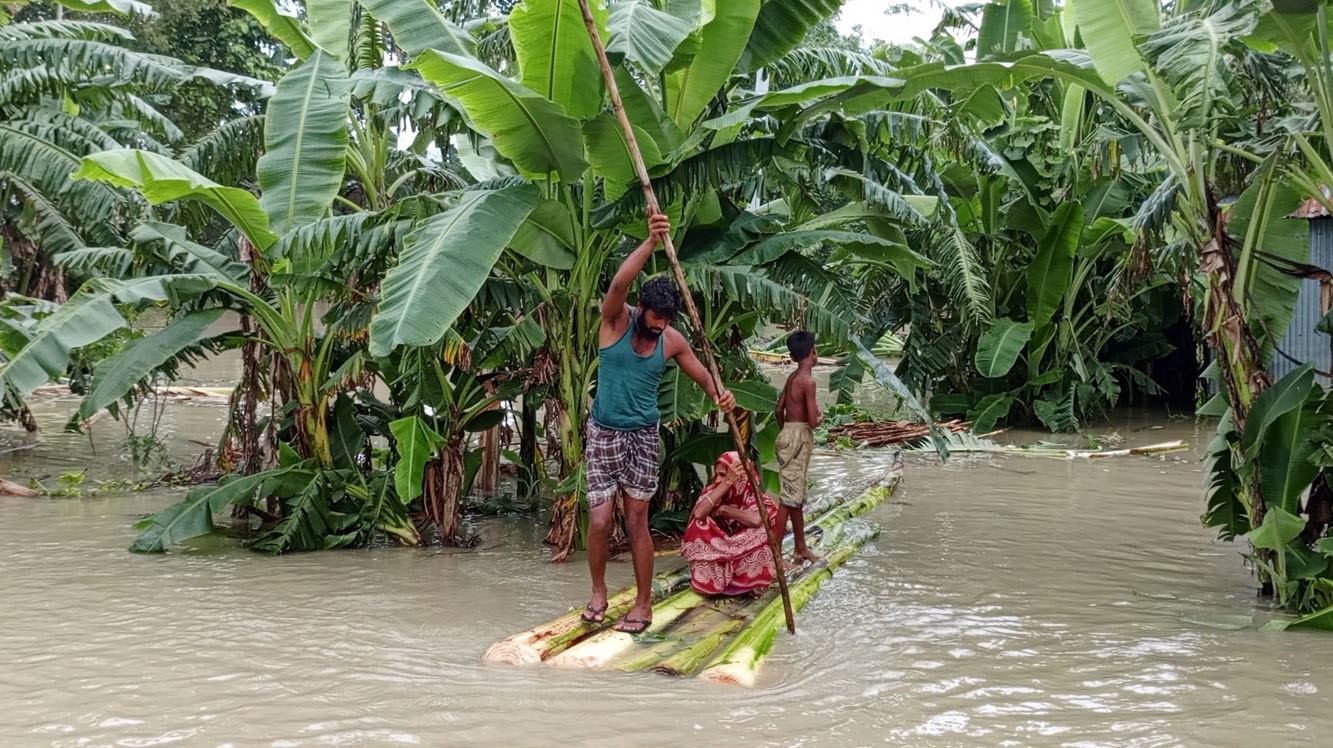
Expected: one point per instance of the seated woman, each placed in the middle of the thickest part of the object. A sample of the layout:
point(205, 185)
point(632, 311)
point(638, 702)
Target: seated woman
point(725, 542)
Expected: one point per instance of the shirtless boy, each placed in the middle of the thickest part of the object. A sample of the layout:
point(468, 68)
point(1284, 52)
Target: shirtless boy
point(798, 415)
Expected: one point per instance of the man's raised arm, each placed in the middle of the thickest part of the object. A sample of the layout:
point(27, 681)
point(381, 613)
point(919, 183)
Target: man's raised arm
point(617, 294)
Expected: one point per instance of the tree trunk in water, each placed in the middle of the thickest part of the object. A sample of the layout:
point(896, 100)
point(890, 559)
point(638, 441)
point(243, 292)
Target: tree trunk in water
point(26, 418)
point(1228, 334)
point(564, 530)
point(488, 476)
point(247, 415)
point(443, 489)
point(528, 470)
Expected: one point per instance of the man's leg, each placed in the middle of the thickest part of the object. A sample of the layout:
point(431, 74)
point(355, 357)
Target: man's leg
point(599, 529)
point(641, 549)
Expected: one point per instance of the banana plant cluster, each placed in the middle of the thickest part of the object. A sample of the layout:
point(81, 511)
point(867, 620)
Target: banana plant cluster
point(458, 288)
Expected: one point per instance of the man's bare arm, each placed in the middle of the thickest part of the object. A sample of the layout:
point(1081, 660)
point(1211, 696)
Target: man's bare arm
point(694, 369)
point(781, 411)
point(617, 294)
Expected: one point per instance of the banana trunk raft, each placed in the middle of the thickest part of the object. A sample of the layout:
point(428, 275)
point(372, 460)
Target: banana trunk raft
point(715, 638)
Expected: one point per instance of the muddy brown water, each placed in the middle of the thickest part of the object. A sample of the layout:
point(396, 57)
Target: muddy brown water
point(1010, 601)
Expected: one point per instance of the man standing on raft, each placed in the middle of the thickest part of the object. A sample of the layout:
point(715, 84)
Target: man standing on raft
point(621, 444)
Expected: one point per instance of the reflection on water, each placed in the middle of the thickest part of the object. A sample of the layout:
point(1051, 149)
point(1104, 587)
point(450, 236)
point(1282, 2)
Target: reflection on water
point(1011, 601)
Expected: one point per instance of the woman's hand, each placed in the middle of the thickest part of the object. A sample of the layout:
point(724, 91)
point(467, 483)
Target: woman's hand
point(735, 474)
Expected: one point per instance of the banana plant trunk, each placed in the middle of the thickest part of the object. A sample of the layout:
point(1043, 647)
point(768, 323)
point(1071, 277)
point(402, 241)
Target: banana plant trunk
point(487, 482)
point(1228, 333)
point(443, 490)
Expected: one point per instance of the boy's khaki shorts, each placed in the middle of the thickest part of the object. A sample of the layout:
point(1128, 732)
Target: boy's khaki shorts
point(795, 443)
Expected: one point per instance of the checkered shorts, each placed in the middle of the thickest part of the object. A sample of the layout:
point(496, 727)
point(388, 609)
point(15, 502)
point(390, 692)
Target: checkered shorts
point(620, 460)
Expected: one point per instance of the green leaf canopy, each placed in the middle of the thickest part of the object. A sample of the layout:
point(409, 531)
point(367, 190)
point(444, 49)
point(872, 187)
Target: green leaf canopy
point(526, 127)
point(119, 374)
point(88, 316)
point(443, 264)
point(721, 41)
point(780, 26)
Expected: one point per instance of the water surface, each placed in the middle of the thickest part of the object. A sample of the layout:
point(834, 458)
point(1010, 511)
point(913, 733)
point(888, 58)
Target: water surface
point(1011, 601)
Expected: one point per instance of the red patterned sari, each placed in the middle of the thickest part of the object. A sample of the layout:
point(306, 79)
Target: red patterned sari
point(726, 557)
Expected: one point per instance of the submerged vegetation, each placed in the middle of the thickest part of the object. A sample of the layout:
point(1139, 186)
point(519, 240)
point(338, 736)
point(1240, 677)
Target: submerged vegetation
point(405, 218)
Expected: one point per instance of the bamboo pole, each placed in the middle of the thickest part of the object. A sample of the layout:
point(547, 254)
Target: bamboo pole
point(651, 197)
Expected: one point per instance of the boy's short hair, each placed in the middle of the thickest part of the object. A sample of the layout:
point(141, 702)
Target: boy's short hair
point(800, 344)
point(660, 296)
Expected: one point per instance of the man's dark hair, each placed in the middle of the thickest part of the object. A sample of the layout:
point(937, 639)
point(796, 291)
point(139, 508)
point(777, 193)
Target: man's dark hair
point(800, 343)
point(659, 296)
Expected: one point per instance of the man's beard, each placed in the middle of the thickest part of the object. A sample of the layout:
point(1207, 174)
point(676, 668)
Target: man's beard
point(642, 329)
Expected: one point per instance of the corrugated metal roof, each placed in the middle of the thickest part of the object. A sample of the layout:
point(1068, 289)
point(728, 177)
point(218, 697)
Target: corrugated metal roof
point(1312, 208)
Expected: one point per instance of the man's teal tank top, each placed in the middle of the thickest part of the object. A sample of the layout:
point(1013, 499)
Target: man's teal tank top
point(627, 383)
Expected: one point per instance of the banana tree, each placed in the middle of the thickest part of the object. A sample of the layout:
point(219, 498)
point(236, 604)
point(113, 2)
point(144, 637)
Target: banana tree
point(545, 118)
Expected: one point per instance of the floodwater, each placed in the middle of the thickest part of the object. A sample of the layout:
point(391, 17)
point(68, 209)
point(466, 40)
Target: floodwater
point(1010, 601)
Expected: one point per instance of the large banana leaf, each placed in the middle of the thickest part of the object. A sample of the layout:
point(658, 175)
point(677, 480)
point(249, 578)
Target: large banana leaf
point(998, 349)
point(547, 237)
point(305, 137)
point(780, 26)
point(555, 55)
point(416, 442)
point(331, 24)
point(1049, 274)
point(1259, 219)
point(642, 33)
point(752, 291)
point(1288, 394)
point(88, 316)
point(679, 398)
point(193, 259)
point(443, 264)
point(721, 42)
point(897, 255)
point(1279, 528)
point(608, 153)
point(817, 95)
point(526, 127)
point(418, 25)
point(160, 179)
point(1285, 470)
point(645, 112)
point(193, 516)
point(1002, 23)
point(119, 374)
point(285, 27)
point(1108, 28)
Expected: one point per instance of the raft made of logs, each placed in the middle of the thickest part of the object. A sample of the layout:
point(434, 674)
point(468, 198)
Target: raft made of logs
point(716, 638)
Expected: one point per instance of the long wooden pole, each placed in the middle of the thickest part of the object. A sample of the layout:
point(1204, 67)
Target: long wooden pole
point(653, 207)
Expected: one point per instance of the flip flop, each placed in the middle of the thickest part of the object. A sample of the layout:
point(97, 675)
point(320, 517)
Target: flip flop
point(634, 625)
point(593, 615)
